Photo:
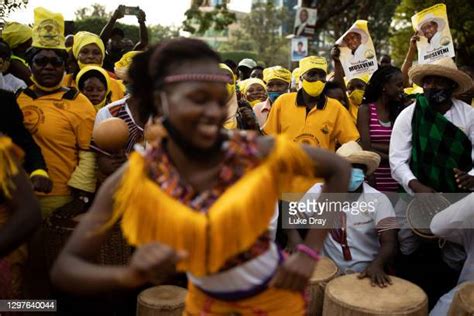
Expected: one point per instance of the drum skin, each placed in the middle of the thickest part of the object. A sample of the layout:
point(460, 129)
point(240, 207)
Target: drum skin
point(463, 301)
point(350, 296)
point(164, 300)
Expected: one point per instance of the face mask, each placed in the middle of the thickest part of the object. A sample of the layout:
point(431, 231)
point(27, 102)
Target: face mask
point(314, 88)
point(187, 147)
point(356, 96)
point(357, 178)
point(437, 97)
point(254, 102)
point(274, 95)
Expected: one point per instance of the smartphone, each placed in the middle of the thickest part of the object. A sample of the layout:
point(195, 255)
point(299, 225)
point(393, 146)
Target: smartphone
point(131, 10)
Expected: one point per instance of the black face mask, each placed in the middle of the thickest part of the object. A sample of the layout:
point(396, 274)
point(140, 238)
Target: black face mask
point(437, 97)
point(188, 148)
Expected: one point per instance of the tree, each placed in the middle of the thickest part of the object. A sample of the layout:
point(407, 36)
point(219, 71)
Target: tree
point(461, 23)
point(95, 10)
point(198, 21)
point(9, 6)
point(261, 33)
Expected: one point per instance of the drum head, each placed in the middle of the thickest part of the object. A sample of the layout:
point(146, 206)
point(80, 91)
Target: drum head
point(324, 270)
point(422, 209)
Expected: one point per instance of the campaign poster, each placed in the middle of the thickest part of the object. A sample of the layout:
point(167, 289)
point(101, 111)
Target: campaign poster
point(299, 48)
point(435, 37)
point(357, 51)
point(305, 22)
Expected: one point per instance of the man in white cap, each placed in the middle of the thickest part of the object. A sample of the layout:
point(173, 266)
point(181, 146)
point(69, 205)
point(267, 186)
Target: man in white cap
point(431, 150)
point(365, 240)
point(245, 68)
point(431, 28)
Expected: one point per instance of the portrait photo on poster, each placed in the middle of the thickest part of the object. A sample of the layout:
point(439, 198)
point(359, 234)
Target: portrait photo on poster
point(357, 50)
point(436, 41)
point(305, 21)
point(299, 48)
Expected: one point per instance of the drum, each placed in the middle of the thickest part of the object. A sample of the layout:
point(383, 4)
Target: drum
point(59, 226)
point(350, 296)
point(325, 271)
point(422, 209)
point(164, 300)
point(463, 301)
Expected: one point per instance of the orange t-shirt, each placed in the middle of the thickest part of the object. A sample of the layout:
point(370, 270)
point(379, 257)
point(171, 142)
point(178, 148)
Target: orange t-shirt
point(61, 124)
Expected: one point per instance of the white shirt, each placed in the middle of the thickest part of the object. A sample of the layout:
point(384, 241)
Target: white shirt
point(456, 224)
point(430, 46)
point(11, 83)
point(460, 114)
point(359, 54)
point(362, 230)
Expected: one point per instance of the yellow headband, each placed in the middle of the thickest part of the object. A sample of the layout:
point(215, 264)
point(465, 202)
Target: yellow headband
point(16, 34)
point(48, 31)
point(82, 39)
point(313, 62)
point(276, 72)
point(88, 68)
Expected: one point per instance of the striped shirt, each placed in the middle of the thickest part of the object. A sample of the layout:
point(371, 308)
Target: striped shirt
point(120, 110)
point(381, 134)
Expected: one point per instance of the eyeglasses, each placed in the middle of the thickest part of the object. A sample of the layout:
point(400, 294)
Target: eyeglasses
point(43, 61)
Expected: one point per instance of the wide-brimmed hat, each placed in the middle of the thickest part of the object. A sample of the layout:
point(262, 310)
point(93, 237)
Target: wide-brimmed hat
point(432, 18)
point(443, 67)
point(355, 154)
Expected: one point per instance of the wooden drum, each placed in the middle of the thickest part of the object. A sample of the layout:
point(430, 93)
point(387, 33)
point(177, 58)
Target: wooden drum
point(350, 296)
point(325, 271)
point(164, 300)
point(463, 301)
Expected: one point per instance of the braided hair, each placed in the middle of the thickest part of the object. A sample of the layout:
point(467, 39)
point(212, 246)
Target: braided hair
point(374, 89)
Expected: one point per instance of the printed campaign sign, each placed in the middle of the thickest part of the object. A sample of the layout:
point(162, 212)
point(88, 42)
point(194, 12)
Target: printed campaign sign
point(435, 37)
point(305, 22)
point(357, 51)
point(299, 48)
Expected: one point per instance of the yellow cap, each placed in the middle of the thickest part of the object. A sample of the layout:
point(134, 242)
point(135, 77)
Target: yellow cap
point(84, 38)
point(16, 34)
point(48, 31)
point(121, 67)
point(313, 62)
point(276, 72)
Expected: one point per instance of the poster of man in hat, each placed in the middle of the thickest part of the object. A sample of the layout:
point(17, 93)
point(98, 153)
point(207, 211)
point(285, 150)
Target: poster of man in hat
point(357, 51)
point(305, 22)
point(435, 37)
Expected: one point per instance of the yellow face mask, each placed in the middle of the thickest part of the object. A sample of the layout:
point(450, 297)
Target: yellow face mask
point(314, 88)
point(356, 96)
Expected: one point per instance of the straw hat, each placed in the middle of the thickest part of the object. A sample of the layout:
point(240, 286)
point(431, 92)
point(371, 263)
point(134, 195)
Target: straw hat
point(444, 67)
point(431, 18)
point(355, 154)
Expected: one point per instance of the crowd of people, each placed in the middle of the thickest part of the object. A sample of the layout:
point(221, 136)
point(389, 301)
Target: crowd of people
point(212, 147)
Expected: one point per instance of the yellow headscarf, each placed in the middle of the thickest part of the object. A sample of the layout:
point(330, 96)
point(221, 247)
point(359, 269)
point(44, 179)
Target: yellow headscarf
point(16, 34)
point(245, 85)
point(276, 72)
point(232, 104)
point(121, 67)
point(102, 71)
point(82, 39)
point(48, 31)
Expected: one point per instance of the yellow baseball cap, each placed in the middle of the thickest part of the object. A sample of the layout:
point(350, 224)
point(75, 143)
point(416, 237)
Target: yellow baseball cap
point(276, 72)
point(313, 62)
point(48, 30)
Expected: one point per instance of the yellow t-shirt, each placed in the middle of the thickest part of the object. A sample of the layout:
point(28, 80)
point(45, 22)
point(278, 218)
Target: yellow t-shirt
point(116, 87)
point(61, 124)
point(353, 110)
point(325, 125)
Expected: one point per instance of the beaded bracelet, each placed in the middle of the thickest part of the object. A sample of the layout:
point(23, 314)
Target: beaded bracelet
point(313, 254)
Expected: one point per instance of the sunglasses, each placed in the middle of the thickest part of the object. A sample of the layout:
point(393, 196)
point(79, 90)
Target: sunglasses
point(43, 61)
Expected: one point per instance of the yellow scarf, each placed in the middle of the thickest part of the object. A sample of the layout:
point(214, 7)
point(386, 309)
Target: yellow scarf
point(231, 225)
